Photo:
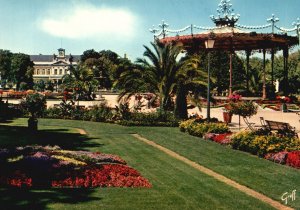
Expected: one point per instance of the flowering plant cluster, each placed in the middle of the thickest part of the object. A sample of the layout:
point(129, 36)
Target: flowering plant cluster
point(283, 99)
point(199, 129)
point(242, 108)
point(37, 166)
point(235, 97)
point(277, 148)
point(287, 158)
point(262, 144)
point(223, 138)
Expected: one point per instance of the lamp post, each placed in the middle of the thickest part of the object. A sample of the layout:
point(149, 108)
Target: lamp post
point(209, 44)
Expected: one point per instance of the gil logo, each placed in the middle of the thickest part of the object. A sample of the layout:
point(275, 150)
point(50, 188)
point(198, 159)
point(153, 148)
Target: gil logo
point(288, 196)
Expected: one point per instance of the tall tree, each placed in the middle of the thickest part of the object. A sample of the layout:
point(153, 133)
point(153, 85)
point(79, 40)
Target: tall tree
point(89, 54)
point(293, 72)
point(5, 64)
point(81, 80)
point(21, 70)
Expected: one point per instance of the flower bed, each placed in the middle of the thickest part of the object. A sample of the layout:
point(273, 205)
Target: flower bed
point(287, 158)
point(195, 128)
point(223, 138)
point(261, 144)
point(45, 167)
point(283, 149)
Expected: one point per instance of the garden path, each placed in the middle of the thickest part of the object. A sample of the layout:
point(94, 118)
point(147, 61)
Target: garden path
point(242, 188)
point(81, 131)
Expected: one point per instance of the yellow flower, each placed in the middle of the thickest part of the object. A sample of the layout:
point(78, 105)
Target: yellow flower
point(70, 160)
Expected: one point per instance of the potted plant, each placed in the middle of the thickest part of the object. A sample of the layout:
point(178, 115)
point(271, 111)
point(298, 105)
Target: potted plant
point(227, 110)
point(243, 108)
point(35, 104)
point(227, 113)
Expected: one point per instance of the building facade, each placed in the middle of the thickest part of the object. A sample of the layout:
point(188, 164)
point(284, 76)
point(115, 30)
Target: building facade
point(53, 67)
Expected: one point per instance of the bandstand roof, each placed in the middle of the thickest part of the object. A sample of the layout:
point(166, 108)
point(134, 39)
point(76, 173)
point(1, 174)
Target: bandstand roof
point(231, 38)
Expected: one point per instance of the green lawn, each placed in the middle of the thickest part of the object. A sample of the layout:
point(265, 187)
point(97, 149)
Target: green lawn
point(175, 184)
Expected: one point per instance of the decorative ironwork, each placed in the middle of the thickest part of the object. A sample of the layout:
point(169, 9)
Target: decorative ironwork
point(273, 20)
point(225, 17)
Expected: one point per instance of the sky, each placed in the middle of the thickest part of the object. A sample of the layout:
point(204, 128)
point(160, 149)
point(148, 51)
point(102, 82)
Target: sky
point(43, 26)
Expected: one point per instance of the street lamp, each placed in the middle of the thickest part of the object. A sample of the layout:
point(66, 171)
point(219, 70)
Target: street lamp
point(209, 44)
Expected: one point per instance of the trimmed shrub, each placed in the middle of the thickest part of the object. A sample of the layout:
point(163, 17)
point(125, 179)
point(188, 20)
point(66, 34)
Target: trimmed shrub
point(150, 119)
point(261, 145)
point(200, 129)
point(53, 112)
point(185, 124)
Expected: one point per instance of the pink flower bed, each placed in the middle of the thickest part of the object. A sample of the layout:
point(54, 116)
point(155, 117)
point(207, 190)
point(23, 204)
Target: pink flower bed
point(288, 158)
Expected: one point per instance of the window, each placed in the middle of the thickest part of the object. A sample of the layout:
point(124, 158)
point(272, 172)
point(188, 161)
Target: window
point(60, 71)
point(37, 71)
point(55, 71)
point(43, 72)
point(48, 71)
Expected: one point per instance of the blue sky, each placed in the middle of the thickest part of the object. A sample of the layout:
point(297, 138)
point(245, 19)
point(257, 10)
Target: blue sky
point(43, 26)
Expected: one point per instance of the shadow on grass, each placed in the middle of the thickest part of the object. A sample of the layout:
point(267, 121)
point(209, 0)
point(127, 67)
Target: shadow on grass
point(14, 136)
point(15, 198)
point(11, 198)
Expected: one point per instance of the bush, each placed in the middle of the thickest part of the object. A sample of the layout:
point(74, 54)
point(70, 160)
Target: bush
point(159, 118)
point(101, 113)
point(53, 112)
point(34, 104)
point(141, 123)
point(261, 145)
point(200, 129)
point(185, 124)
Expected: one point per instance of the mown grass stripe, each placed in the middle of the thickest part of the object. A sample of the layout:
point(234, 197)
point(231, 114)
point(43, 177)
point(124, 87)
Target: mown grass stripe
point(215, 175)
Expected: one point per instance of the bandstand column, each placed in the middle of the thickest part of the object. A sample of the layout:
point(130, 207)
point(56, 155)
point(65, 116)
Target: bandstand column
point(248, 53)
point(272, 71)
point(230, 73)
point(264, 93)
point(285, 70)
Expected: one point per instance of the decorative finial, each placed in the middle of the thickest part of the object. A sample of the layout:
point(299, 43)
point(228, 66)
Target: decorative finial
point(273, 20)
point(163, 27)
point(225, 14)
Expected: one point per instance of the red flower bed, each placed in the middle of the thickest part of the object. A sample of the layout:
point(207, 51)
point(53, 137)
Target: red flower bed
point(223, 138)
point(107, 176)
point(293, 159)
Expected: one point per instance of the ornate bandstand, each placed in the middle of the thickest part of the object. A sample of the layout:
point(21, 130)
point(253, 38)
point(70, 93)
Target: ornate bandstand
point(228, 35)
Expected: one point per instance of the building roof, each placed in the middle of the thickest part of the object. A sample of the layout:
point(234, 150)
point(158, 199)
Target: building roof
point(49, 58)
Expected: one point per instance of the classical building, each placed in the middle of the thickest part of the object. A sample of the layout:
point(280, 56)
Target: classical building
point(52, 67)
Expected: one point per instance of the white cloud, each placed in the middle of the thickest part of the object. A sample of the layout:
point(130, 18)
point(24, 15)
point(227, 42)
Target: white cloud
point(86, 21)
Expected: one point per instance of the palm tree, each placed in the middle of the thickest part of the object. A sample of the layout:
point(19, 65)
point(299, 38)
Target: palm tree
point(81, 79)
point(161, 74)
point(160, 70)
point(189, 77)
